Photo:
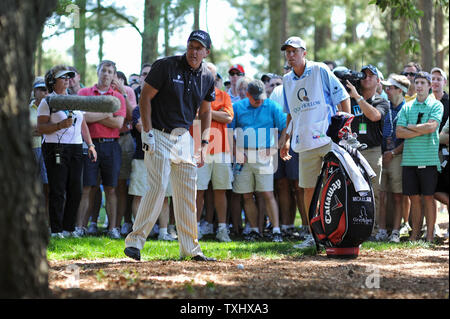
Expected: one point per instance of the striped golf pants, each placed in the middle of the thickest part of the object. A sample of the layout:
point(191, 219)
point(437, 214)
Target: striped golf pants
point(173, 159)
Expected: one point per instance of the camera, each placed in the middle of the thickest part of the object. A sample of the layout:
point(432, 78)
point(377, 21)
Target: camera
point(354, 77)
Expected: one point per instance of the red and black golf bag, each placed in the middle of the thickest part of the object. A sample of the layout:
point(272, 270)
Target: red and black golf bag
point(342, 210)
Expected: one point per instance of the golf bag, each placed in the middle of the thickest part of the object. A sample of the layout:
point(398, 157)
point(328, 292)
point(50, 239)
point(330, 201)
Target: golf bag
point(342, 210)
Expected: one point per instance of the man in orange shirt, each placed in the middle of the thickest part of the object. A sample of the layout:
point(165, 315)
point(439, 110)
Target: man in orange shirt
point(217, 168)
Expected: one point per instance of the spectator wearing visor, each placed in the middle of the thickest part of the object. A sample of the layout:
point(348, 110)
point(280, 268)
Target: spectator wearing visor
point(63, 134)
point(396, 87)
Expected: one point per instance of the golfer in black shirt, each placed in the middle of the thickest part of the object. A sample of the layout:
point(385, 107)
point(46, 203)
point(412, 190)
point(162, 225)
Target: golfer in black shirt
point(174, 90)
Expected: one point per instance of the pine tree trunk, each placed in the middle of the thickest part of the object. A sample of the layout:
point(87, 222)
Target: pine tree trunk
point(425, 37)
point(79, 46)
point(275, 12)
point(439, 36)
point(196, 24)
point(284, 21)
point(23, 231)
point(152, 15)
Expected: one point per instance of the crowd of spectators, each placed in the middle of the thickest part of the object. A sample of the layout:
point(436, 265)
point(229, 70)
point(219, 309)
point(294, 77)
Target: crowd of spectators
point(247, 189)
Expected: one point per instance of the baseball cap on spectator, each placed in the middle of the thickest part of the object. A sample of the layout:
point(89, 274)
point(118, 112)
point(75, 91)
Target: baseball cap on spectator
point(294, 42)
point(423, 75)
point(265, 78)
point(237, 67)
point(39, 82)
point(372, 69)
point(444, 75)
point(394, 79)
point(64, 72)
point(256, 89)
point(202, 37)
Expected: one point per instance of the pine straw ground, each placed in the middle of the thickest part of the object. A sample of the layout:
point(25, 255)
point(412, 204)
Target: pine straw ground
point(421, 273)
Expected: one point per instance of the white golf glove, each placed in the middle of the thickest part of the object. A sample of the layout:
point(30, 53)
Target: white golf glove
point(148, 141)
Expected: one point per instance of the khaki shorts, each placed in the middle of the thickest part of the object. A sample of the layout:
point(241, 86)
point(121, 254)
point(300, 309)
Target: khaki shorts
point(217, 170)
point(310, 164)
point(374, 158)
point(255, 176)
point(139, 179)
point(391, 176)
point(128, 148)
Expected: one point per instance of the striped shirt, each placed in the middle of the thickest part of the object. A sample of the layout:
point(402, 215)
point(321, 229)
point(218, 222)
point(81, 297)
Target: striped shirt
point(421, 150)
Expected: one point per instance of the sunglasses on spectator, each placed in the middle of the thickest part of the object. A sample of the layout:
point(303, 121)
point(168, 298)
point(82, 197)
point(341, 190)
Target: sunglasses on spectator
point(235, 73)
point(391, 87)
point(64, 77)
point(43, 89)
point(409, 73)
point(275, 84)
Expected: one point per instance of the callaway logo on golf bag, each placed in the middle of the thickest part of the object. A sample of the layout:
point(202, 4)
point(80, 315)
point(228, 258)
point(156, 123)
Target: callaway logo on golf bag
point(340, 216)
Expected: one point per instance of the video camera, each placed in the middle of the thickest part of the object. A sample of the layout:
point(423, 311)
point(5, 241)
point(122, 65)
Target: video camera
point(354, 77)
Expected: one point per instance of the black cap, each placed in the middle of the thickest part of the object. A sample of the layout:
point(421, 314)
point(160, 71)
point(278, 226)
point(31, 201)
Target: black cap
point(202, 37)
point(371, 68)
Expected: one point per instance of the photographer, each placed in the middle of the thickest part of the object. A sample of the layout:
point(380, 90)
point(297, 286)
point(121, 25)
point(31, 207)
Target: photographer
point(369, 109)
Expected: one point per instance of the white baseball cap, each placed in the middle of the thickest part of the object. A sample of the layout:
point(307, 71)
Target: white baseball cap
point(295, 42)
point(444, 75)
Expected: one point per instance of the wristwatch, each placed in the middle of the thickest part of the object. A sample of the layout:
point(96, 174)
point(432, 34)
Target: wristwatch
point(393, 153)
point(205, 142)
point(360, 99)
point(124, 95)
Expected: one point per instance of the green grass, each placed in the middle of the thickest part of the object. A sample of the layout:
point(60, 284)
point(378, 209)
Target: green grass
point(103, 247)
point(92, 248)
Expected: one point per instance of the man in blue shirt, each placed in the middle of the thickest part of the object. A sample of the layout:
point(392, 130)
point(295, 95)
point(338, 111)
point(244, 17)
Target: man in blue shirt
point(256, 121)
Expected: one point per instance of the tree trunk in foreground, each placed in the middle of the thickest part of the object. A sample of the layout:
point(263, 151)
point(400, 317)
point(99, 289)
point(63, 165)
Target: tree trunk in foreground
point(23, 231)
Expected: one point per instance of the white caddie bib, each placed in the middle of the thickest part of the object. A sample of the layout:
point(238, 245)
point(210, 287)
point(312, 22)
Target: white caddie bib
point(309, 111)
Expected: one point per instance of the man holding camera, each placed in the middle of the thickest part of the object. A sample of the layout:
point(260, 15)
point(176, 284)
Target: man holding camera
point(369, 109)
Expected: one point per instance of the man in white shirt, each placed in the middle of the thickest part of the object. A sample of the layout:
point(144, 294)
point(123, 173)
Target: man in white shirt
point(312, 95)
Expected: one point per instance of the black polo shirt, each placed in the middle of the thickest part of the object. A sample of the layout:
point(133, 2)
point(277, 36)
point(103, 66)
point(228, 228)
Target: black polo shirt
point(181, 89)
point(370, 133)
point(444, 101)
